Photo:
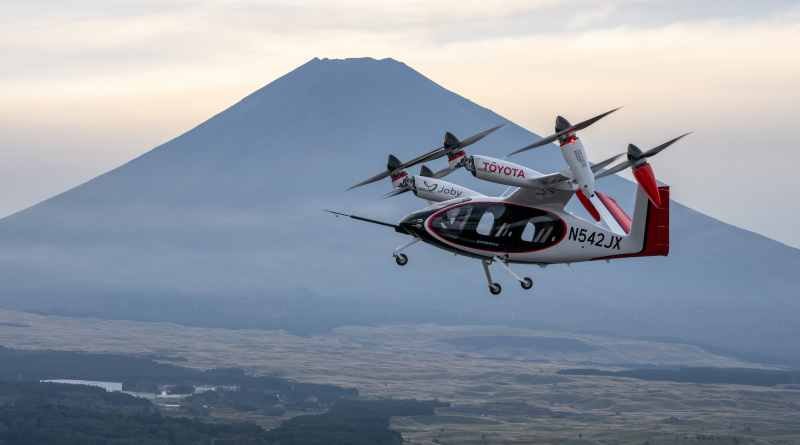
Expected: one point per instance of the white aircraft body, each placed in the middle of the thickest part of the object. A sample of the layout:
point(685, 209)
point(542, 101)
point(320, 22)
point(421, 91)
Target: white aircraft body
point(530, 225)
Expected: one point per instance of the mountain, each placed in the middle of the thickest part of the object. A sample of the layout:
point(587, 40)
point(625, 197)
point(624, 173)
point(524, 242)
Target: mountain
point(223, 226)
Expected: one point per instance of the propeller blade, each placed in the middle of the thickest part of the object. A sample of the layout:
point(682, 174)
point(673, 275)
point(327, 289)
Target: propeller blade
point(477, 137)
point(444, 172)
point(376, 178)
point(602, 164)
point(394, 165)
point(439, 152)
point(436, 153)
point(396, 192)
point(568, 130)
point(654, 151)
point(616, 169)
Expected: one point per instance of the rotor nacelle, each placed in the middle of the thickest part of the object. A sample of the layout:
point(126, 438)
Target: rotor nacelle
point(644, 174)
point(500, 171)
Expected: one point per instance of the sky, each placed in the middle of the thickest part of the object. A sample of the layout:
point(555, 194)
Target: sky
point(88, 85)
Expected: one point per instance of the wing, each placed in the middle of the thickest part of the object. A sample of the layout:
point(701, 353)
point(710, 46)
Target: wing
point(551, 180)
point(540, 196)
point(545, 190)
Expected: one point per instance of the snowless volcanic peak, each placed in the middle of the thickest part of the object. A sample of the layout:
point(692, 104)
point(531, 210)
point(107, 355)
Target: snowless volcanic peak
point(223, 226)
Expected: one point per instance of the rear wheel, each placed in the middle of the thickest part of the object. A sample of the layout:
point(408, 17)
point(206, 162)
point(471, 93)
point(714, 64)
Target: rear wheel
point(495, 288)
point(526, 283)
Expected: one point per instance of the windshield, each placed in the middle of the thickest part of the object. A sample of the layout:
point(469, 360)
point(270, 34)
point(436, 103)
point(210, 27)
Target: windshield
point(499, 227)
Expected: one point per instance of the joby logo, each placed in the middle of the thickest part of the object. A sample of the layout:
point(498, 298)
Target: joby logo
point(494, 167)
point(443, 190)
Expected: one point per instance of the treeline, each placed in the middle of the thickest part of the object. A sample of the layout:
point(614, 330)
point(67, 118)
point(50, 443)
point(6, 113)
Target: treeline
point(58, 414)
point(143, 374)
point(352, 422)
point(707, 375)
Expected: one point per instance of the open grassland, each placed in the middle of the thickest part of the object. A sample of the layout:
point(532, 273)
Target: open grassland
point(501, 382)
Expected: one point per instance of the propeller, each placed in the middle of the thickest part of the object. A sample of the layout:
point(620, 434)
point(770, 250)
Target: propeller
point(563, 128)
point(642, 171)
point(637, 157)
point(449, 145)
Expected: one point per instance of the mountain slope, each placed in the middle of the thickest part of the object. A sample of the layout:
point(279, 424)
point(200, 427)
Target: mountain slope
point(223, 226)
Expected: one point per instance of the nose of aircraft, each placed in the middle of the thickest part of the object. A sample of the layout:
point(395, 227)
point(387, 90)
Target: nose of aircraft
point(411, 224)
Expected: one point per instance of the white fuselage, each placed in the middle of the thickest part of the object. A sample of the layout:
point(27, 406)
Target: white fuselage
point(490, 227)
point(571, 239)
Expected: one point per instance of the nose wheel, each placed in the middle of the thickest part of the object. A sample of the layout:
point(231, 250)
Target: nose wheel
point(495, 288)
point(401, 259)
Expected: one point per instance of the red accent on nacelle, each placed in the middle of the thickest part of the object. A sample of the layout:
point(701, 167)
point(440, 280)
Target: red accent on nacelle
point(455, 155)
point(568, 140)
point(588, 205)
point(647, 179)
point(622, 218)
point(399, 175)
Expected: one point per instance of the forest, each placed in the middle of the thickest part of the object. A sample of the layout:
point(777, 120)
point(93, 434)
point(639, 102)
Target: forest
point(32, 412)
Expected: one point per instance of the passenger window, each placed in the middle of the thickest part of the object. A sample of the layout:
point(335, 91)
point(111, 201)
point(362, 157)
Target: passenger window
point(485, 224)
point(528, 232)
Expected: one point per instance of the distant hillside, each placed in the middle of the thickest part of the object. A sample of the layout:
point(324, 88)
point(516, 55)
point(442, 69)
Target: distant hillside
point(223, 226)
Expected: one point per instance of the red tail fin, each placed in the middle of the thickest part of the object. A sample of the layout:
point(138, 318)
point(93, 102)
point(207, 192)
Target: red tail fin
point(656, 233)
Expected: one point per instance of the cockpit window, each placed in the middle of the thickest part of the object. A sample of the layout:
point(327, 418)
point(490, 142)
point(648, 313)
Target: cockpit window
point(499, 227)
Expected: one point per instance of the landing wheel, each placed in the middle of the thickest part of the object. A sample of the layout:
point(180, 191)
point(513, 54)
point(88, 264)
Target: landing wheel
point(401, 259)
point(495, 288)
point(526, 283)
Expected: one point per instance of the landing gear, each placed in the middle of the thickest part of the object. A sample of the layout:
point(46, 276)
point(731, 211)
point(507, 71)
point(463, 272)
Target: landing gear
point(400, 258)
point(494, 288)
point(525, 282)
